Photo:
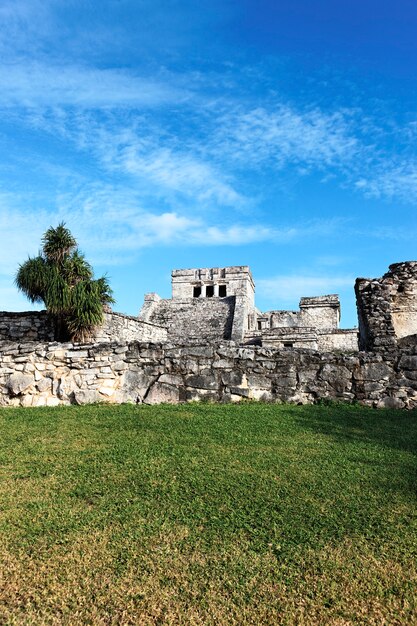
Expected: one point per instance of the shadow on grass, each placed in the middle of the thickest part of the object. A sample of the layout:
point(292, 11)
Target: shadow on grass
point(395, 429)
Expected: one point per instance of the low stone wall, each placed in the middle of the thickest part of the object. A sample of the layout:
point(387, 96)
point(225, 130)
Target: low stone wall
point(125, 328)
point(51, 374)
point(37, 326)
point(27, 326)
point(339, 339)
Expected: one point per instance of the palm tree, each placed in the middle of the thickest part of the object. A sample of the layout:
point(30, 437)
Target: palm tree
point(62, 279)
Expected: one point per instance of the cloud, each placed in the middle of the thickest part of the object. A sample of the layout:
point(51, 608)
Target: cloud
point(23, 23)
point(283, 134)
point(179, 172)
point(291, 287)
point(11, 299)
point(112, 227)
point(37, 84)
point(391, 181)
point(21, 232)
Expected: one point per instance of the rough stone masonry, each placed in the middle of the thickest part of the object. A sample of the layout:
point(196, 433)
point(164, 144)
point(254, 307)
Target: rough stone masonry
point(209, 342)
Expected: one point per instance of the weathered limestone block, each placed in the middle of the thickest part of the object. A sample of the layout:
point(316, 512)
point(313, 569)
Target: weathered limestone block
point(376, 371)
point(189, 366)
point(67, 386)
point(242, 392)
point(198, 395)
point(232, 378)
point(263, 395)
point(44, 384)
point(27, 400)
point(87, 396)
point(389, 402)
point(337, 376)
point(246, 353)
point(258, 381)
point(76, 354)
point(171, 379)
point(410, 375)
point(408, 362)
point(223, 364)
point(307, 375)
point(200, 351)
point(119, 366)
point(19, 383)
point(135, 384)
point(162, 393)
point(200, 381)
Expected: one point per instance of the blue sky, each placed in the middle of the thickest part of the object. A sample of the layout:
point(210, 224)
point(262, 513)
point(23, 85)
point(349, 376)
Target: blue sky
point(190, 133)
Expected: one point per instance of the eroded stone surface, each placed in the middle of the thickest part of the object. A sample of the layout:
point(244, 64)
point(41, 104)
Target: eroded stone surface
point(18, 383)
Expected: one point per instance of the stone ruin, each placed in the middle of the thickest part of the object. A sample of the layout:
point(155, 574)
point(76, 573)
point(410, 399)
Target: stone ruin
point(387, 308)
point(216, 304)
point(209, 341)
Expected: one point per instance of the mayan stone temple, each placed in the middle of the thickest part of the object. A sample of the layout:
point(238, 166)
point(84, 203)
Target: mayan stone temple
point(210, 342)
point(219, 303)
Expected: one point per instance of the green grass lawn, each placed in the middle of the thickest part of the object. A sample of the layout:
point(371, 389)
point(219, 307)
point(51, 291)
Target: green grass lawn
point(208, 514)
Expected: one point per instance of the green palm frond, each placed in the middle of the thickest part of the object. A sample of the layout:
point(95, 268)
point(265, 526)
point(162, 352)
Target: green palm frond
point(32, 278)
point(58, 243)
point(86, 310)
point(105, 291)
point(77, 268)
point(58, 293)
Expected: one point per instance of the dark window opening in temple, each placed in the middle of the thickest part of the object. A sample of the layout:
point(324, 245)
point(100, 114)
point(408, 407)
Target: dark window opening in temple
point(210, 291)
point(222, 291)
point(287, 344)
point(259, 325)
point(197, 292)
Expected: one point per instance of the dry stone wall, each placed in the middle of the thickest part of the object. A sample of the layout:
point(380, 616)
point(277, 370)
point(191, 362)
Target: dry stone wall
point(38, 326)
point(37, 374)
point(27, 326)
point(122, 328)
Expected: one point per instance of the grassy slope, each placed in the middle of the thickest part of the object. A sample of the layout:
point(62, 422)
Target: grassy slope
point(204, 514)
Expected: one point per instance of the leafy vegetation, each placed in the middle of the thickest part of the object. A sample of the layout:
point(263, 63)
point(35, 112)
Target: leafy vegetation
point(62, 279)
point(208, 514)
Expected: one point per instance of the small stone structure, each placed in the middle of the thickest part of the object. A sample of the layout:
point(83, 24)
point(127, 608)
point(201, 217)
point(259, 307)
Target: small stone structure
point(210, 342)
point(387, 308)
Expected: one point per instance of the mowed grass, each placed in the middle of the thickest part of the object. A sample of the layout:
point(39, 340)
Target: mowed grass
point(208, 514)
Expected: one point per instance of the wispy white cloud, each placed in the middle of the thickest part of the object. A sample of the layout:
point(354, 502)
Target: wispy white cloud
point(37, 84)
point(205, 133)
point(390, 180)
point(10, 298)
point(282, 135)
point(21, 231)
point(179, 172)
point(291, 287)
point(112, 227)
point(22, 24)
